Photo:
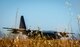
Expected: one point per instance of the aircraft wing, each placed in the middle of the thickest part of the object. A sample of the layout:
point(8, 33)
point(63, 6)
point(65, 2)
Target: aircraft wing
point(14, 29)
point(7, 28)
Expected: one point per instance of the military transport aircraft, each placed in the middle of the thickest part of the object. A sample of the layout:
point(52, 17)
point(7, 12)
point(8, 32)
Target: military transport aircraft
point(33, 33)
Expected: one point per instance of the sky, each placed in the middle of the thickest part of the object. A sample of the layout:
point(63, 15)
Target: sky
point(46, 14)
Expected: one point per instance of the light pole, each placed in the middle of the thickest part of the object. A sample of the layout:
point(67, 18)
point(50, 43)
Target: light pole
point(78, 18)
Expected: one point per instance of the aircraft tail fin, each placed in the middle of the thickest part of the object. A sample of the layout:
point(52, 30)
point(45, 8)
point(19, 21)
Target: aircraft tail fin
point(22, 23)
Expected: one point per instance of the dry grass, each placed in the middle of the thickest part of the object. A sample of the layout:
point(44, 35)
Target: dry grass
point(38, 43)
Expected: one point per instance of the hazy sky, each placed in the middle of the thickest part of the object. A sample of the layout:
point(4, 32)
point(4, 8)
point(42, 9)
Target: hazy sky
point(46, 14)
